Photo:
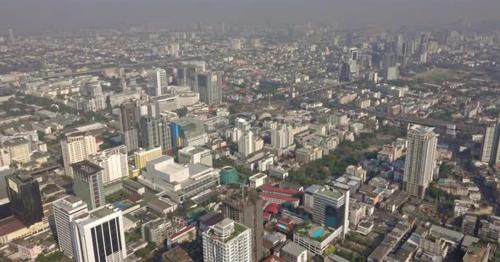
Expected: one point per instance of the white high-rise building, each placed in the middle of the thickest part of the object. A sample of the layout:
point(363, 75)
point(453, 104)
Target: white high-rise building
point(98, 236)
point(331, 208)
point(491, 145)
point(113, 162)
point(282, 137)
point(227, 241)
point(246, 144)
point(242, 124)
point(420, 159)
point(76, 147)
point(158, 81)
point(65, 211)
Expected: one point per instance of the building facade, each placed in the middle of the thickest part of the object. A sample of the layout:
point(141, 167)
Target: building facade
point(76, 147)
point(158, 82)
point(129, 124)
point(25, 198)
point(210, 89)
point(227, 241)
point(155, 132)
point(420, 159)
point(87, 183)
point(331, 208)
point(65, 211)
point(491, 145)
point(113, 162)
point(246, 208)
point(99, 236)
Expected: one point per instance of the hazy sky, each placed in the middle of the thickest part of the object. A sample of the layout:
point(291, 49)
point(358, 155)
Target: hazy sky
point(35, 15)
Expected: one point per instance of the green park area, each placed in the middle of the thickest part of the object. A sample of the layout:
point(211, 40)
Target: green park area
point(439, 75)
point(347, 153)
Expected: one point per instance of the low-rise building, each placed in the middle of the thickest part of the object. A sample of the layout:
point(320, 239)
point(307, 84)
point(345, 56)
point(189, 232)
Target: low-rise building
point(179, 182)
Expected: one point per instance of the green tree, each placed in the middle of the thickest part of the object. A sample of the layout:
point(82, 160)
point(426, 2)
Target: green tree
point(182, 112)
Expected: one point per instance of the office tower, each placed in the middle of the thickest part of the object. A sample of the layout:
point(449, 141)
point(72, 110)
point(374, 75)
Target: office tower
point(400, 45)
point(282, 137)
point(353, 54)
point(25, 198)
point(155, 132)
point(76, 147)
point(392, 73)
point(129, 124)
point(345, 72)
point(65, 211)
point(98, 236)
point(158, 82)
point(353, 62)
point(192, 77)
point(242, 124)
point(246, 144)
point(87, 183)
point(420, 159)
point(236, 43)
point(246, 207)
point(113, 162)
point(182, 76)
point(491, 145)
point(187, 131)
point(241, 127)
point(331, 208)
point(94, 98)
point(210, 88)
point(12, 37)
point(227, 241)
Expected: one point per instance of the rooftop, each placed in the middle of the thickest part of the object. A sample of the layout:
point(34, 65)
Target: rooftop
point(293, 248)
point(86, 168)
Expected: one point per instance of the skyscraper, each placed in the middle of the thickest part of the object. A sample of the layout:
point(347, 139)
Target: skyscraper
point(227, 241)
point(75, 147)
point(246, 207)
point(331, 208)
point(491, 145)
point(246, 144)
point(114, 163)
point(282, 137)
point(187, 131)
point(25, 198)
point(420, 159)
point(158, 82)
point(94, 99)
point(155, 132)
point(129, 124)
point(98, 236)
point(210, 88)
point(12, 37)
point(87, 183)
point(192, 77)
point(65, 211)
point(345, 72)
